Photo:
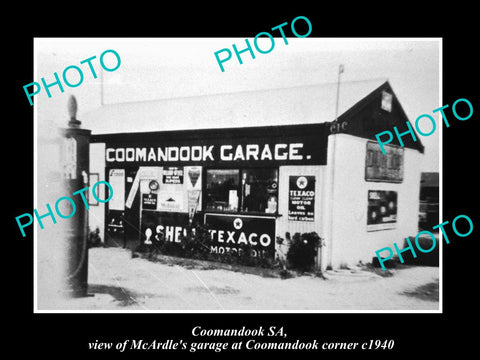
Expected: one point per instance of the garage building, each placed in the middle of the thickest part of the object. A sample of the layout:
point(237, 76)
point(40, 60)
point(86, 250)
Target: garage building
point(255, 165)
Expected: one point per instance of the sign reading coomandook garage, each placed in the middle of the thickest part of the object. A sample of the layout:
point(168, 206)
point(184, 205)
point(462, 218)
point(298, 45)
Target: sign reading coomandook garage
point(261, 151)
point(250, 185)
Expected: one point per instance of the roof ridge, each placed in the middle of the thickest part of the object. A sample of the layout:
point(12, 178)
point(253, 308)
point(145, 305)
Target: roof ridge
point(378, 79)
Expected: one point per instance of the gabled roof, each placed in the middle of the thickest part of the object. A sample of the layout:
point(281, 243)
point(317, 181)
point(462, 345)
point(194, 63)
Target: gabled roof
point(359, 113)
point(286, 106)
point(367, 118)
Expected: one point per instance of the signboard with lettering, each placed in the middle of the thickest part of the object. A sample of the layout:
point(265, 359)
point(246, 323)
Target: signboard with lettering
point(149, 201)
point(166, 226)
point(301, 198)
point(384, 167)
point(230, 233)
point(172, 175)
point(116, 178)
point(144, 173)
point(382, 210)
point(170, 201)
point(283, 149)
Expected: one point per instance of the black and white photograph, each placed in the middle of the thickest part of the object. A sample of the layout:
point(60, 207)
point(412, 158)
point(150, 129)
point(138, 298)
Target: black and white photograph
point(294, 182)
point(250, 184)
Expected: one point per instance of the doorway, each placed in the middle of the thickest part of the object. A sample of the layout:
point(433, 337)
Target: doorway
point(122, 225)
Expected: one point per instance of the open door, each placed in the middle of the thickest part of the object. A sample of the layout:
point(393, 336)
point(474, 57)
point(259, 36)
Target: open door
point(122, 221)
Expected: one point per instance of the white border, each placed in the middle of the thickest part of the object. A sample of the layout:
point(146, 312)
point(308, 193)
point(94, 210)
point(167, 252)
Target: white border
point(35, 189)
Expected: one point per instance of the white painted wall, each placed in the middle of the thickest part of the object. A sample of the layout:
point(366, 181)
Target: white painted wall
point(345, 223)
point(97, 165)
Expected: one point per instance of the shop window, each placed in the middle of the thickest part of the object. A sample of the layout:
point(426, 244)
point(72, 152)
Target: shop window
point(222, 189)
point(260, 193)
point(370, 157)
point(242, 190)
point(383, 161)
point(393, 162)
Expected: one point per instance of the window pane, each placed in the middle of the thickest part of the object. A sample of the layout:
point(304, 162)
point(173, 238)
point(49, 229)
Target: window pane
point(260, 190)
point(222, 189)
point(369, 158)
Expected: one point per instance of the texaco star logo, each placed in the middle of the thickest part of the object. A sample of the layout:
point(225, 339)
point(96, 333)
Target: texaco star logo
point(302, 182)
point(237, 223)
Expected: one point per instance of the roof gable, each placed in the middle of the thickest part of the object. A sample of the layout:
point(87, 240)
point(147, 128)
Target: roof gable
point(367, 118)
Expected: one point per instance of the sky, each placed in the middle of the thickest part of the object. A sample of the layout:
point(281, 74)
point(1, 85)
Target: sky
point(162, 68)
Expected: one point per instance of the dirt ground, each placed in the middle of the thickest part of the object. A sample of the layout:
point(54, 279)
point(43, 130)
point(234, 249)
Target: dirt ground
point(119, 282)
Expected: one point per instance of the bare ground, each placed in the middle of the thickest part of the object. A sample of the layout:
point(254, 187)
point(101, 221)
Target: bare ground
point(119, 282)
